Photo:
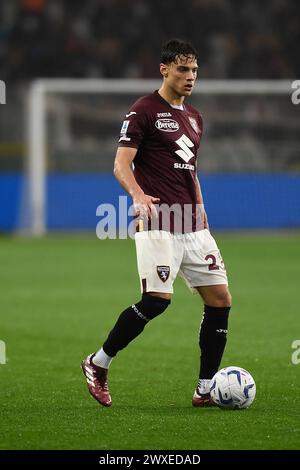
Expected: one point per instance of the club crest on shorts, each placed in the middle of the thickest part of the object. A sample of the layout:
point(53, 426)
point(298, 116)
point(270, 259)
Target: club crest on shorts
point(163, 272)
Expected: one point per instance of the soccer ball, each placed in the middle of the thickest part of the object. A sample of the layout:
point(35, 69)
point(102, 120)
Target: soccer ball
point(233, 387)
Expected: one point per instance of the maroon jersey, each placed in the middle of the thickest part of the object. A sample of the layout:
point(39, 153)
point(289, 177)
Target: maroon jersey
point(167, 140)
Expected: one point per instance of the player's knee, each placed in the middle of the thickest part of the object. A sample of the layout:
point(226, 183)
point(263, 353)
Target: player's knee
point(225, 299)
point(222, 299)
point(154, 306)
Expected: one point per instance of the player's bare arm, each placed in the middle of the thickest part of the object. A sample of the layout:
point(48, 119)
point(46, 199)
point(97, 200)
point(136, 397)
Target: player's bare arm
point(143, 203)
point(200, 202)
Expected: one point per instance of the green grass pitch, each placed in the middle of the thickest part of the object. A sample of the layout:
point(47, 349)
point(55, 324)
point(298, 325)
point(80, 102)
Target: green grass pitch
point(60, 295)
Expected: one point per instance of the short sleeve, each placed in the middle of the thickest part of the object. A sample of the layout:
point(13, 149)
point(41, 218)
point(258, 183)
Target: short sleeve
point(134, 127)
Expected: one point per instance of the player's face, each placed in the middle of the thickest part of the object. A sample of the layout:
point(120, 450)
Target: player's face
point(181, 75)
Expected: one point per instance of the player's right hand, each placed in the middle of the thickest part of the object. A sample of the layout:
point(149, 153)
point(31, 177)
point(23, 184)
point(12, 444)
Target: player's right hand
point(144, 205)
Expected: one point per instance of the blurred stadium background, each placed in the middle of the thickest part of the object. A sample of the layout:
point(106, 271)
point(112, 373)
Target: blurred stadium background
point(250, 154)
point(61, 293)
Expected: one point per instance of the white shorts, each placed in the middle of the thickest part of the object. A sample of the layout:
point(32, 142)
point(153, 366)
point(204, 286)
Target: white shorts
point(162, 255)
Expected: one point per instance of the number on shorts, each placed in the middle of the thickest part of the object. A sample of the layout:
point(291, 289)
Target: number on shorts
point(213, 265)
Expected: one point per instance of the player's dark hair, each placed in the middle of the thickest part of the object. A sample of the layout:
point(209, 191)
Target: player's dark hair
point(174, 48)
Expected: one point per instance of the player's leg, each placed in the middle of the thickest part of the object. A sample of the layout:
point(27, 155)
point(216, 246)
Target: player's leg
point(154, 258)
point(204, 271)
point(156, 278)
point(129, 325)
point(212, 337)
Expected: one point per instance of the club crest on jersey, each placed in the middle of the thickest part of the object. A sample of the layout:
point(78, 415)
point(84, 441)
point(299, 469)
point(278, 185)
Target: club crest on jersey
point(167, 125)
point(163, 272)
point(194, 124)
